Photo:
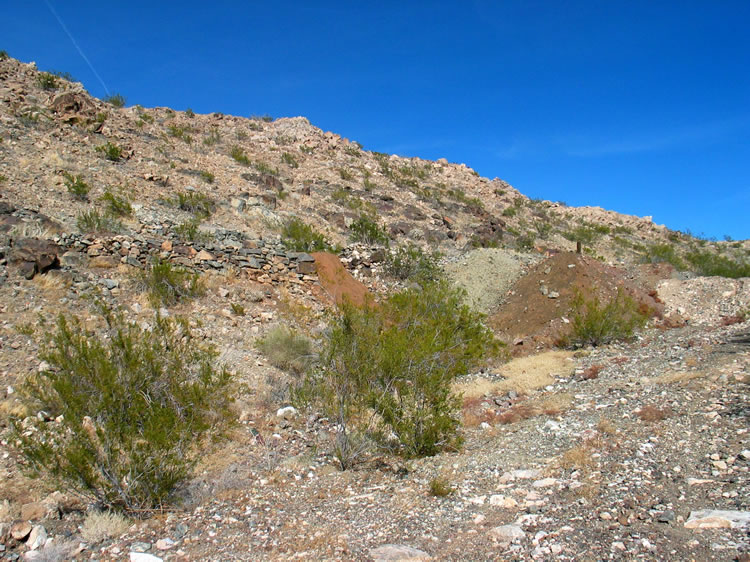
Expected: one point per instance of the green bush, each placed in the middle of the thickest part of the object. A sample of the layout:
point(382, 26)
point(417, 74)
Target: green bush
point(95, 222)
point(116, 100)
point(46, 81)
point(594, 323)
point(167, 284)
point(264, 168)
point(200, 204)
point(190, 113)
point(346, 174)
point(287, 349)
point(289, 159)
point(367, 231)
point(213, 137)
point(410, 262)
point(397, 361)
point(4, 55)
point(189, 231)
point(301, 237)
point(207, 177)
point(110, 151)
point(239, 155)
point(130, 408)
point(77, 187)
point(711, 264)
point(116, 205)
point(440, 488)
point(658, 253)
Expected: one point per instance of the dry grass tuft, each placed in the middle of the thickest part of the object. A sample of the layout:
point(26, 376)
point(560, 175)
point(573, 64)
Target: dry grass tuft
point(440, 488)
point(103, 262)
point(592, 372)
point(606, 427)
point(650, 413)
point(552, 405)
point(102, 525)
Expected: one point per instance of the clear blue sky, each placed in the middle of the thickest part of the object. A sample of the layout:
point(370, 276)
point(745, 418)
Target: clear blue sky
point(642, 107)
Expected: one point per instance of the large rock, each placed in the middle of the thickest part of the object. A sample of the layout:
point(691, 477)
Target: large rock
point(398, 552)
point(717, 519)
point(33, 256)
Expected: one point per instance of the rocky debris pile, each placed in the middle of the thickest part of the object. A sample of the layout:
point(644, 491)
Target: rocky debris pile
point(705, 300)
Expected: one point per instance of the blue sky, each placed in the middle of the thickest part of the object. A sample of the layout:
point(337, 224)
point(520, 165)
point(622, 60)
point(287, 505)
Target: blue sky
point(641, 107)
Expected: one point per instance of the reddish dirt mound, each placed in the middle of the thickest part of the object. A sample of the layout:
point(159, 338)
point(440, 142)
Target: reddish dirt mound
point(538, 301)
point(337, 282)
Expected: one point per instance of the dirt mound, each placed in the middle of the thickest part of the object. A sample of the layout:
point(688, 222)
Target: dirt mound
point(486, 274)
point(539, 302)
point(337, 282)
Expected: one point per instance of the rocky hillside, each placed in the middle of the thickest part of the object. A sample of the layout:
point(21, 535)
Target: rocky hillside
point(628, 450)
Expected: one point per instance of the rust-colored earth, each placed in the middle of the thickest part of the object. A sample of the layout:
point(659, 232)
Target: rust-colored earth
point(337, 283)
point(534, 311)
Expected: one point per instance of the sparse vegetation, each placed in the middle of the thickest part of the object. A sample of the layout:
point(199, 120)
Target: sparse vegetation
point(76, 186)
point(102, 525)
point(4, 55)
point(110, 151)
point(116, 100)
point(264, 168)
point(95, 222)
point(287, 349)
point(345, 174)
point(46, 81)
point(189, 231)
point(167, 284)
point(200, 204)
point(129, 409)
point(369, 232)
point(710, 264)
point(594, 323)
point(213, 137)
point(116, 205)
point(189, 113)
point(410, 262)
point(237, 309)
point(180, 132)
point(440, 488)
point(239, 156)
point(289, 159)
point(301, 237)
point(207, 176)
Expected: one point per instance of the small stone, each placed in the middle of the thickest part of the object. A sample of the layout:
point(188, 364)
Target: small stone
point(165, 544)
point(696, 481)
point(507, 533)
point(553, 295)
point(166, 246)
point(544, 483)
point(721, 465)
point(20, 530)
point(140, 546)
point(718, 519)
point(605, 516)
point(619, 545)
point(223, 293)
point(203, 255)
point(745, 455)
point(666, 517)
point(37, 537)
point(398, 552)
point(526, 474)
point(143, 557)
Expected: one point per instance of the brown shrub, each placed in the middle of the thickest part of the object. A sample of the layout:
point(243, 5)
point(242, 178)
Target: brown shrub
point(650, 413)
point(592, 372)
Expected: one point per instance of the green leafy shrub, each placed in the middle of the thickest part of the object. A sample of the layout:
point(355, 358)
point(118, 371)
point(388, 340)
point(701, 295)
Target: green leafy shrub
point(658, 253)
point(301, 237)
point(397, 361)
point(594, 323)
point(369, 232)
point(116, 100)
point(180, 132)
point(131, 406)
point(95, 222)
point(110, 151)
point(4, 55)
point(168, 284)
point(711, 264)
point(289, 159)
point(46, 81)
point(410, 262)
point(200, 204)
point(116, 205)
point(440, 488)
point(239, 156)
point(287, 349)
point(207, 177)
point(190, 113)
point(76, 186)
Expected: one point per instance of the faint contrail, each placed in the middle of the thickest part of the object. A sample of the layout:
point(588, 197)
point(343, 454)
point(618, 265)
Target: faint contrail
point(75, 44)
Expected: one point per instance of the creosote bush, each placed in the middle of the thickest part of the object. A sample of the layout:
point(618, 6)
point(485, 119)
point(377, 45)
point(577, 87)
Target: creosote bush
point(301, 237)
point(168, 284)
point(129, 409)
point(200, 204)
point(594, 323)
point(95, 222)
point(369, 232)
point(116, 205)
point(287, 349)
point(410, 262)
point(385, 372)
point(116, 100)
point(110, 151)
point(76, 186)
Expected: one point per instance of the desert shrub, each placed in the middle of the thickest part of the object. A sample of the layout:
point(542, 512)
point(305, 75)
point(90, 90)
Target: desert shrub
point(116, 100)
point(189, 231)
point(46, 81)
point(440, 488)
point(386, 371)
point(264, 168)
point(200, 204)
point(168, 284)
point(658, 253)
point(76, 186)
point(4, 55)
point(116, 205)
point(594, 323)
point(239, 156)
point(289, 159)
point(301, 237)
point(213, 137)
point(180, 132)
point(102, 525)
point(509, 211)
point(129, 409)
point(237, 309)
point(287, 349)
point(345, 174)
point(189, 113)
point(410, 262)
point(207, 176)
point(95, 222)
point(711, 264)
point(110, 151)
point(369, 232)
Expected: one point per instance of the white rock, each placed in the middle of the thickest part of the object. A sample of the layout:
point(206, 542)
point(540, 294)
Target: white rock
point(165, 544)
point(143, 557)
point(37, 537)
point(744, 454)
point(287, 412)
point(525, 474)
point(399, 552)
point(507, 533)
point(716, 519)
point(544, 483)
